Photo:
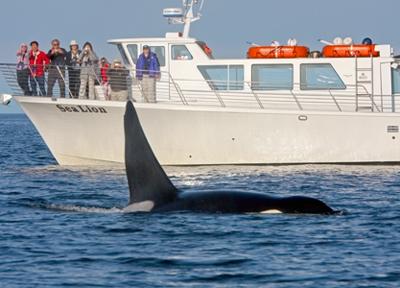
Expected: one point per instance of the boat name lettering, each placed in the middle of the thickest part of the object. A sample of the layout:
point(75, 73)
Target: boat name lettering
point(81, 109)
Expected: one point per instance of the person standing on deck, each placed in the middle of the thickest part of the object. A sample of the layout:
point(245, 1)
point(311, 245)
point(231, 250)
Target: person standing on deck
point(38, 61)
point(118, 78)
point(57, 56)
point(72, 61)
point(104, 66)
point(89, 61)
point(23, 69)
point(148, 72)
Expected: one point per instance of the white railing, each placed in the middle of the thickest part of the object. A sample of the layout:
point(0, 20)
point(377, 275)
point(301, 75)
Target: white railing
point(214, 93)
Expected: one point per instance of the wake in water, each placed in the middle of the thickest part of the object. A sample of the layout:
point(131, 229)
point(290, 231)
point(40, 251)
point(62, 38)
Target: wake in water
point(44, 205)
point(82, 209)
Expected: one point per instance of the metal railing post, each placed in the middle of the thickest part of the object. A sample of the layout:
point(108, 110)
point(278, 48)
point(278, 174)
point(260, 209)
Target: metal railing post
point(255, 96)
point(334, 100)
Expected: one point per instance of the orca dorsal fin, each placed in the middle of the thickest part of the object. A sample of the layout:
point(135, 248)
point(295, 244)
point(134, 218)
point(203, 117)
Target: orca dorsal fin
point(146, 178)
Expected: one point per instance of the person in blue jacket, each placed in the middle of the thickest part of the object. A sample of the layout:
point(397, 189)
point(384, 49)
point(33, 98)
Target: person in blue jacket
point(148, 72)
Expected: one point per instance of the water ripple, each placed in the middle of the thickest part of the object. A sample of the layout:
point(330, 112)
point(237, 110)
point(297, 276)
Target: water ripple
point(65, 227)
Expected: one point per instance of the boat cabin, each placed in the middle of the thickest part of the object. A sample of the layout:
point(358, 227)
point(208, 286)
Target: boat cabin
point(370, 82)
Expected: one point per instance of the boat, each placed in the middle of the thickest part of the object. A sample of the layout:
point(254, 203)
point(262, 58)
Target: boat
point(255, 110)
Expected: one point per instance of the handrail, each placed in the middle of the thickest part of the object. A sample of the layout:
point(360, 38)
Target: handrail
point(179, 90)
point(216, 93)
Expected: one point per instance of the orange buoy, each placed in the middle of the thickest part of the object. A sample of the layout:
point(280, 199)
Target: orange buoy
point(278, 52)
point(359, 50)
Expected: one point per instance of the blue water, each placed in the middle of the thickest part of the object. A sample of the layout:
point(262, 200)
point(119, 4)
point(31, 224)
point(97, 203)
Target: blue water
point(64, 227)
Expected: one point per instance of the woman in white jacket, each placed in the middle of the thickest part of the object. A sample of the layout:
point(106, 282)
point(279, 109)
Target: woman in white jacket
point(89, 64)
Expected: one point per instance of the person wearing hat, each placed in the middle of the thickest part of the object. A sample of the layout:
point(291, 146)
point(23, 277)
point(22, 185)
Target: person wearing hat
point(147, 72)
point(118, 77)
point(72, 61)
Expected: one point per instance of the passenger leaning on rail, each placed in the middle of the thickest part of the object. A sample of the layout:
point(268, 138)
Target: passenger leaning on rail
point(148, 72)
point(72, 61)
point(38, 61)
point(118, 79)
point(57, 56)
point(23, 69)
point(89, 64)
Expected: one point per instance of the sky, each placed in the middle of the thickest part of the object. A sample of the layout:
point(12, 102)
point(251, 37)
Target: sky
point(226, 25)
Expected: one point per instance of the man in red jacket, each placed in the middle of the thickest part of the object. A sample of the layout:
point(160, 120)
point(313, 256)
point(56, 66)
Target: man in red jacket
point(37, 65)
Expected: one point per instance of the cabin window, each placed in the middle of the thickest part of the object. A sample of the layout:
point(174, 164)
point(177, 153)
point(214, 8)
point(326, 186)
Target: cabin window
point(180, 52)
point(223, 77)
point(133, 51)
point(160, 52)
point(395, 81)
point(320, 77)
point(236, 77)
point(123, 54)
point(272, 77)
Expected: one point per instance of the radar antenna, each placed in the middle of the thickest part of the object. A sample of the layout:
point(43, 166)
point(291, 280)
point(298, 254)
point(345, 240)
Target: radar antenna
point(186, 15)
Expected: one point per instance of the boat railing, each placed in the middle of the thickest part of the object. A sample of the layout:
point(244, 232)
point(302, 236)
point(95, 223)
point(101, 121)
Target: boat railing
point(200, 92)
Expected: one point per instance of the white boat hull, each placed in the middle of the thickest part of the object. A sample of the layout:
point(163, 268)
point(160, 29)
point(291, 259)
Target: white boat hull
point(184, 135)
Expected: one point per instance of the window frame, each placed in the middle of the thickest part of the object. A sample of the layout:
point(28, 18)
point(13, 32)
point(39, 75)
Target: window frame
point(134, 59)
point(158, 55)
point(124, 56)
point(238, 83)
point(214, 83)
point(393, 71)
point(304, 88)
point(180, 45)
point(288, 88)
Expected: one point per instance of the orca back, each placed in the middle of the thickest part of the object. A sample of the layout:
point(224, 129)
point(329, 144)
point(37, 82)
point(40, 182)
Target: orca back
point(146, 178)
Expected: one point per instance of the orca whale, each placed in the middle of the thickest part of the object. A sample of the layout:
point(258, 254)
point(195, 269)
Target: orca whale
point(150, 189)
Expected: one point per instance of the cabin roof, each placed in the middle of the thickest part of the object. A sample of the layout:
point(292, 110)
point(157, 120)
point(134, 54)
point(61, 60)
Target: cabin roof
point(170, 38)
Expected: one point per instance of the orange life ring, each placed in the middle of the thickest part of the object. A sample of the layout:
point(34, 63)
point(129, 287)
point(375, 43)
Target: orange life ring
point(359, 50)
point(278, 52)
point(207, 50)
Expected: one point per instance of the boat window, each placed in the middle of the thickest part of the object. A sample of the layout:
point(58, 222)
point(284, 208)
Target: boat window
point(236, 77)
point(272, 77)
point(123, 54)
point(319, 77)
point(223, 77)
point(395, 81)
point(180, 52)
point(160, 52)
point(133, 51)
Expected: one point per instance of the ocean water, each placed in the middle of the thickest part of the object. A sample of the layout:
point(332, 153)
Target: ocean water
point(64, 227)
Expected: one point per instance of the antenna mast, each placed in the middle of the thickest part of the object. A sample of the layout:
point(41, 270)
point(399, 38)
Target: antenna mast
point(185, 16)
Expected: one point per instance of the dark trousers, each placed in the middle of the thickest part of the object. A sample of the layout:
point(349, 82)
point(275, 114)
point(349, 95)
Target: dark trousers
point(74, 81)
point(54, 76)
point(35, 81)
point(23, 81)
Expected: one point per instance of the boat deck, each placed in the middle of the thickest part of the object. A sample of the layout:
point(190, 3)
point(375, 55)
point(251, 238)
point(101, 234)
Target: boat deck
point(200, 92)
